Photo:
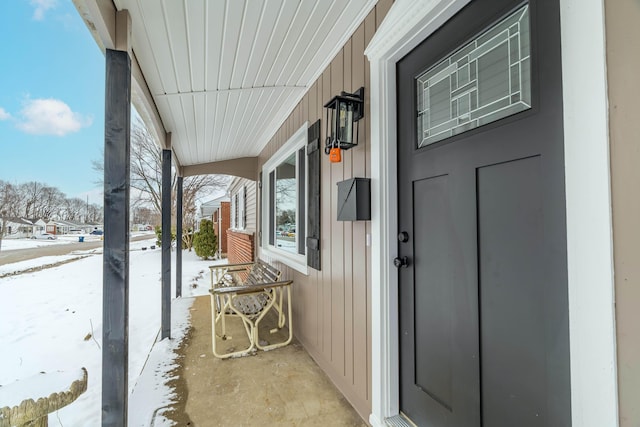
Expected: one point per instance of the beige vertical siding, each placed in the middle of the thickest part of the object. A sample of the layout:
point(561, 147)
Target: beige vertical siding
point(332, 313)
point(250, 194)
point(623, 65)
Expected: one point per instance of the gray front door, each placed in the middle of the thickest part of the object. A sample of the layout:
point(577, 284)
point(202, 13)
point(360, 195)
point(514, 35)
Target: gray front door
point(484, 335)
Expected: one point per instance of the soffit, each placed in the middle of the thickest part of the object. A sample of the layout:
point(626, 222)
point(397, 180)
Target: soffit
point(225, 74)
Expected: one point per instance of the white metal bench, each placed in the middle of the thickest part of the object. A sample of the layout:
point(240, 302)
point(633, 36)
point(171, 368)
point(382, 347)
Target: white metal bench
point(248, 291)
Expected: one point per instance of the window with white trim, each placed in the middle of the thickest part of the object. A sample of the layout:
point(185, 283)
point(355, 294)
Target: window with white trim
point(284, 219)
point(238, 209)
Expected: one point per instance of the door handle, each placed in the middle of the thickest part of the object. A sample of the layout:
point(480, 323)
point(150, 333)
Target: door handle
point(401, 262)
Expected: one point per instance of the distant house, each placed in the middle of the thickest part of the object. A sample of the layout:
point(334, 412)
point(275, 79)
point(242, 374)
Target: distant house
point(243, 221)
point(219, 212)
point(73, 227)
point(63, 227)
point(56, 227)
point(38, 225)
point(207, 209)
point(16, 228)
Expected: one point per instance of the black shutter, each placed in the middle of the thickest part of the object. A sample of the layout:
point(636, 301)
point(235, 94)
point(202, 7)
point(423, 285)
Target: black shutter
point(313, 213)
point(244, 207)
point(302, 203)
point(260, 225)
point(272, 208)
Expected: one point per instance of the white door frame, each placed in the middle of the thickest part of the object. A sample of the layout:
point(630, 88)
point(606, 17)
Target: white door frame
point(588, 203)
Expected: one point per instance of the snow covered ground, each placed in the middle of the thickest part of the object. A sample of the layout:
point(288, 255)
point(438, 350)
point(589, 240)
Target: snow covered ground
point(50, 320)
point(11, 244)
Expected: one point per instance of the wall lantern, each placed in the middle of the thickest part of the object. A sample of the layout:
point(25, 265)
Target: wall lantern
point(342, 112)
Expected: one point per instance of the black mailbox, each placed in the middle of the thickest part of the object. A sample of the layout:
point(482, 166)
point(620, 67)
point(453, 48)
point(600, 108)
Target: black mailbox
point(354, 199)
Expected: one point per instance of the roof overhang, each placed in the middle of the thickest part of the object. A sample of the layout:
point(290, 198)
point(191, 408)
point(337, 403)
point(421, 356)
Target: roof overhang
point(214, 80)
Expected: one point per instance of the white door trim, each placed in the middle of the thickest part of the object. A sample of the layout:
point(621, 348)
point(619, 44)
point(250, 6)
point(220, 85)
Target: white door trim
point(589, 235)
point(594, 387)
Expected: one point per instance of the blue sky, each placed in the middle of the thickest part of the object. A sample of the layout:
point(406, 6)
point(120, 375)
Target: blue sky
point(51, 97)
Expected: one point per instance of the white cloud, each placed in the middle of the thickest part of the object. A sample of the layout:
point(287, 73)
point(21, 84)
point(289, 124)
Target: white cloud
point(41, 6)
point(50, 117)
point(4, 115)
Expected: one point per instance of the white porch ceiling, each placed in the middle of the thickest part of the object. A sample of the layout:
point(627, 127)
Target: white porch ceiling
point(225, 74)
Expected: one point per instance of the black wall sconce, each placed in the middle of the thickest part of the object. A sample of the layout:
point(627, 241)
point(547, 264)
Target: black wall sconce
point(342, 112)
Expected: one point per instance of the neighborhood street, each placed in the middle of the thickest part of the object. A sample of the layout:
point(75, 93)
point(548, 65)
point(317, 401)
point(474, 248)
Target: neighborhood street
point(17, 255)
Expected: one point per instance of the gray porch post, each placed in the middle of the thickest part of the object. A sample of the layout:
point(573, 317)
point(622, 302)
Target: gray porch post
point(179, 239)
point(115, 288)
point(166, 244)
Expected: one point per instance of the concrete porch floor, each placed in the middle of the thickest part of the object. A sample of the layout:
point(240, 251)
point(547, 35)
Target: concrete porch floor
point(281, 387)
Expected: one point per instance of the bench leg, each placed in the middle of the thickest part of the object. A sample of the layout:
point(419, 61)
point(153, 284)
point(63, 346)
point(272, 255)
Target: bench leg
point(221, 318)
point(280, 316)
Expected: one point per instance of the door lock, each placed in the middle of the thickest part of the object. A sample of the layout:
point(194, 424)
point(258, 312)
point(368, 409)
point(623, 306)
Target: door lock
point(401, 262)
point(403, 237)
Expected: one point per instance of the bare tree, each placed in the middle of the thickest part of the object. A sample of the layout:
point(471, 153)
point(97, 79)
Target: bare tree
point(32, 194)
point(10, 199)
point(72, 209)
point(8, 205)
point(35, 200)
point(3, 225)
point(146, 178)
point(144, 215)
point(94, 214)
point(40, 200)
point(146, 174)
point(52, 199)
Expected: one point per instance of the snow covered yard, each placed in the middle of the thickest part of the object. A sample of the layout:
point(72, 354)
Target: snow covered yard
point(51, 320)
point(11, 244)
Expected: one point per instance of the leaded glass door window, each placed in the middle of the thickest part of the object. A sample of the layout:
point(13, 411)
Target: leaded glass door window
point(486, 80)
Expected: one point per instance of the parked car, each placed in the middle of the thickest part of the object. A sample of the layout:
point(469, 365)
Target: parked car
point(44, 236)
point(286, 230)
point(97, 232)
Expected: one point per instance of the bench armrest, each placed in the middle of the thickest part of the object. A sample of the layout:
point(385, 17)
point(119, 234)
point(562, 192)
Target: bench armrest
point(246, 289)
point(231, 266)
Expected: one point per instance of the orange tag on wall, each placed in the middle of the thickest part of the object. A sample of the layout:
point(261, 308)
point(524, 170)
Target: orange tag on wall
point(334, 155)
